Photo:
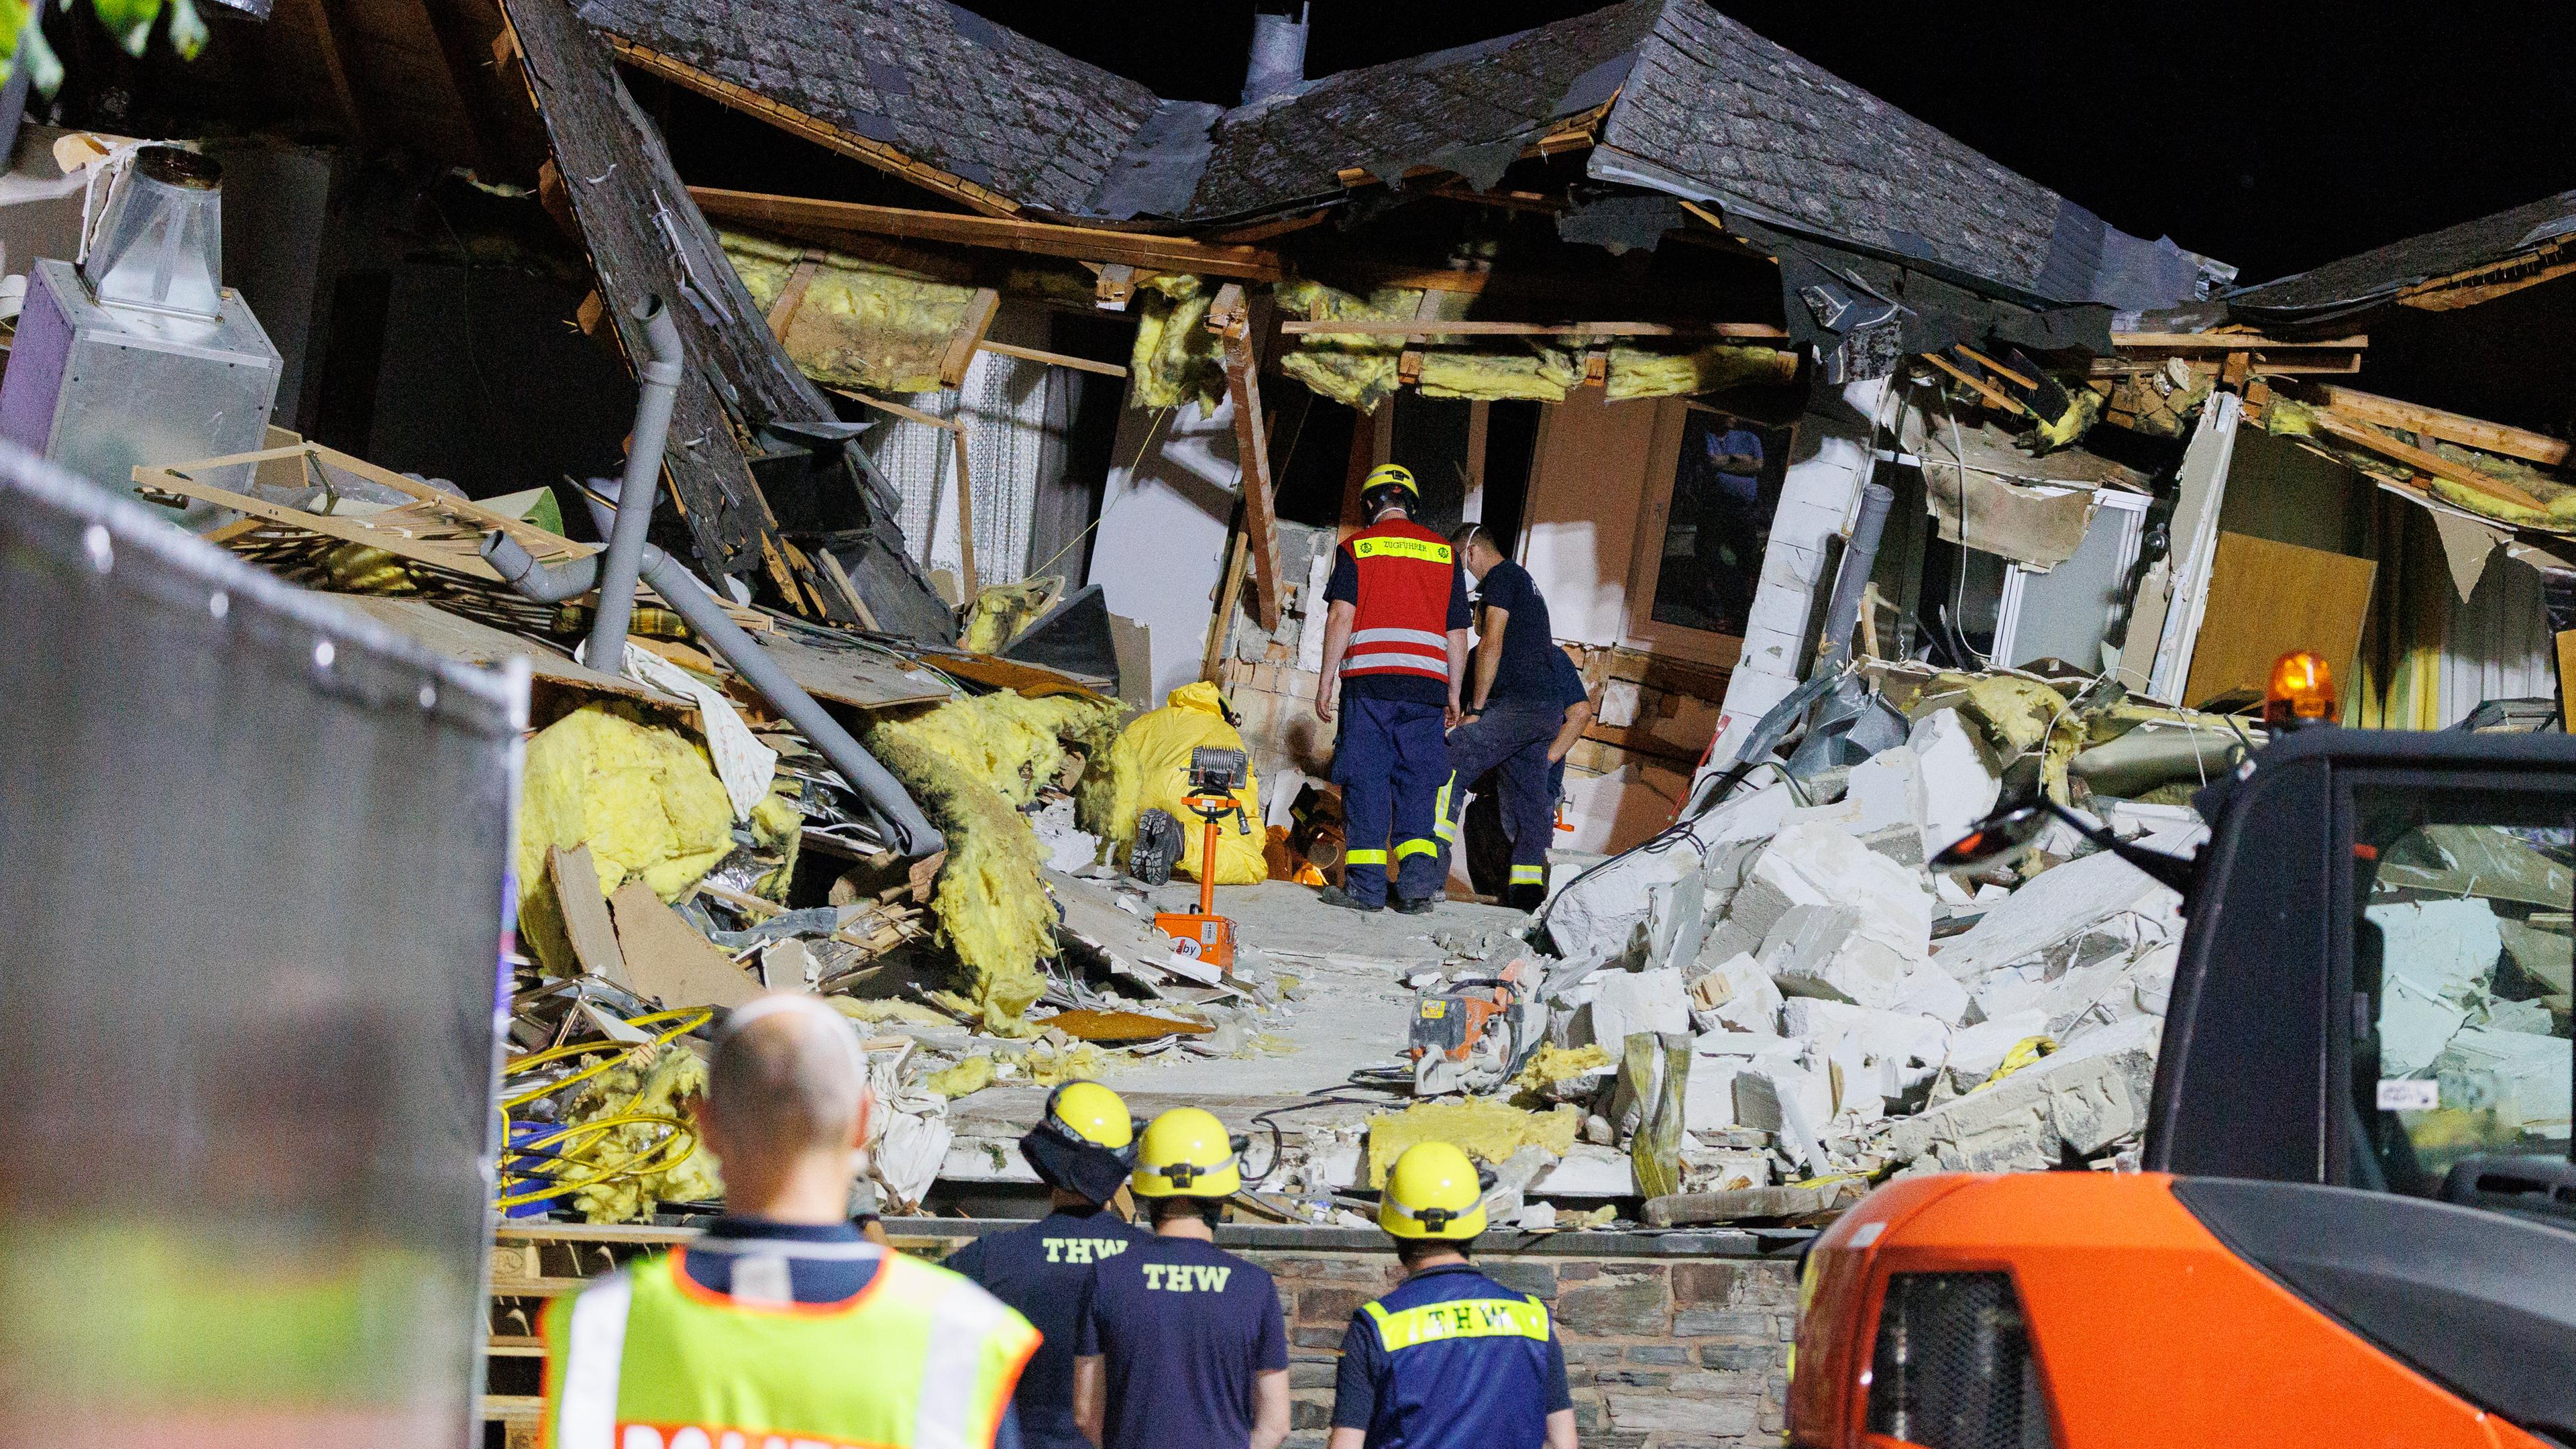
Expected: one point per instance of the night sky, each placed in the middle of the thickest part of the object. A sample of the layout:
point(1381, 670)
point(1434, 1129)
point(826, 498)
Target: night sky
point(2270, 137)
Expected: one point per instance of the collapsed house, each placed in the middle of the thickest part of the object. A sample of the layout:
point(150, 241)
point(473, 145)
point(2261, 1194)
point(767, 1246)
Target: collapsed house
point(1042, 407)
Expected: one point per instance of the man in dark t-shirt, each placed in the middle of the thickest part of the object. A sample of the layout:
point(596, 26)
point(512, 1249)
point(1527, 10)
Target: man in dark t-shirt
point(1081, 1149)
point(1182, 1343)
point(1513, 712)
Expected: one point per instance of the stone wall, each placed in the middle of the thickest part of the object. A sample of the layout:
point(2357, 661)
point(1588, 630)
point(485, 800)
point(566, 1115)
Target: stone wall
point(1660, 1354)
point(1673, 1341)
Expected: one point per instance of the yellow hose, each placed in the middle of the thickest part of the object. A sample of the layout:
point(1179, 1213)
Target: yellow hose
point(670, 1151)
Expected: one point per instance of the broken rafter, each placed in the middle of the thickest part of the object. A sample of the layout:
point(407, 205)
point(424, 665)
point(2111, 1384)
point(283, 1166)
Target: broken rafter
point(1749, 331)
point(2362, 435)
point(787, 118)
point(980, 310)
point(1978, 385)
point(1051, 359)
point(1229, 319)
point(2468, 432)
point(1080, 243)
point(2486, 282)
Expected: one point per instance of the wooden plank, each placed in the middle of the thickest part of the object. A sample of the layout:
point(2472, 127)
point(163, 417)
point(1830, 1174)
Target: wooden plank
point(1251, 443)
point(2466, 431)
point(1997, 368)
point(791, 297)
point(1374, 327)
point(1051, 359)
point(1038, 238)
point(965, 520)
point(335, 68)
point(2567, 680)
point(2233, 342)
point(841, 580)
point(1221, 622)
point(787, 118)
point(2362, 435)
point(1116, 285)
point(2266, 599)
point(980, 310)
point(910, 414)
point(1978, 385)
point(585, 913)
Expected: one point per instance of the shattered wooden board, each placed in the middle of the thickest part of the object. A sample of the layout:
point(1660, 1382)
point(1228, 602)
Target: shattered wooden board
point(1127, 943)
point(585, 913)
point(848, 671)
point(1115, 1027)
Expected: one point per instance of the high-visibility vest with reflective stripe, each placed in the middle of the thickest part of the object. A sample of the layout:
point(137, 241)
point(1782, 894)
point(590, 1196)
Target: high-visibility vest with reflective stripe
point(1401, 618)
point(1469, 1372)
point(922, 1358)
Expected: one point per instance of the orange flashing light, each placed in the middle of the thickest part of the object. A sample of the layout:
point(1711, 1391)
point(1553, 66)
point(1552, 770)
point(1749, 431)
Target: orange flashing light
point(2302, 690)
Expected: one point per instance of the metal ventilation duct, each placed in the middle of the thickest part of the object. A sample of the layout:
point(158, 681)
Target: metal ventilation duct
point(161, 246)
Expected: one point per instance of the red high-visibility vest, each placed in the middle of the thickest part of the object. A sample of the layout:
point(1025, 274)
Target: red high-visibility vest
point(1406, 576)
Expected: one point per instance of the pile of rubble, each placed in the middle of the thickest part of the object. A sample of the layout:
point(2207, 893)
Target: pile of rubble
point(1776, 1002)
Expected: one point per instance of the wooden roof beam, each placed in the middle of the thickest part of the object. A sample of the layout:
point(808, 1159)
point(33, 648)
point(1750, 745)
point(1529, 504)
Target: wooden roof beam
point(1143, 250)
point(1366, 327)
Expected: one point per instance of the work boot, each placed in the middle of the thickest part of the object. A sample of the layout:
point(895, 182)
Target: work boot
point(1336, 896)
point(1413, 905)
point(1525, 897)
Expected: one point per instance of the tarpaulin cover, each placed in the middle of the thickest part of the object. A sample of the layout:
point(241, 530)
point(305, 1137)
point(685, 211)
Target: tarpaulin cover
point(254, 860)
point(1151, 767)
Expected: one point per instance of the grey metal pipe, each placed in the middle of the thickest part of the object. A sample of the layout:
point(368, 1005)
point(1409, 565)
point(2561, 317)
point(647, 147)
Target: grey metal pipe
point(909, 831)
point(1860, 555)
point(659, 379)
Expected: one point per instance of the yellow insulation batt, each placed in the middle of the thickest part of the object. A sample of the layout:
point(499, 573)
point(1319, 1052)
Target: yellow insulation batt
point(970, 763)
point(859, 324)
point(999, 612)
point(1149, 770)
point(1177, 359)
point(1484, 1129)
point(643, 798)
point(666, 1088)
point(1555, 1064)
point(1636, 372)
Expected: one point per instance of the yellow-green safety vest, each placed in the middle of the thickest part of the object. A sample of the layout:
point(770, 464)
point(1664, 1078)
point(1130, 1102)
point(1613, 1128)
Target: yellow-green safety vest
point(922, 1358)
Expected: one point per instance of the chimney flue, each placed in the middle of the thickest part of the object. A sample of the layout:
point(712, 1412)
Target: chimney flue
point(1278, 55)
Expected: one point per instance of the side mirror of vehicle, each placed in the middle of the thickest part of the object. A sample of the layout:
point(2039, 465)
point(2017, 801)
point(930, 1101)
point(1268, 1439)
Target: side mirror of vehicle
point(2011, 831)
point(1999, 839)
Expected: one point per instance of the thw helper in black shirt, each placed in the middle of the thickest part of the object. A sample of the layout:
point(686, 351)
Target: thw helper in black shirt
point(1040, 1270)
point(1183, 1328)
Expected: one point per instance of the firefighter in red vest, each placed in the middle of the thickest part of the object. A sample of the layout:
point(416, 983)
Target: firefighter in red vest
point(1395, 652)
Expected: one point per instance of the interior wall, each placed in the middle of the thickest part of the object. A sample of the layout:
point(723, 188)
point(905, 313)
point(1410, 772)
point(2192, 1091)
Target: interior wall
point(1587, 487)
point(2281, 491)
point(1160, 549)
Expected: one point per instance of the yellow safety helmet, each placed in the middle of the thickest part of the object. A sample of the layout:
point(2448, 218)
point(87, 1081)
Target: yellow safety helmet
point(1390, 475)
point(1432, 1192)
point(1186, 1153)
point(1088, 1114)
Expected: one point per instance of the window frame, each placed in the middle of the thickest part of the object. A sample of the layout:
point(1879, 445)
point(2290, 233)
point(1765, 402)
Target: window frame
point(1640, 629)
point(2345, 910)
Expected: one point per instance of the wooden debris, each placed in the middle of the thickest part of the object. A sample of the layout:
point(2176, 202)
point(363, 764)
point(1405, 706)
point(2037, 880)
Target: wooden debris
point(585, 913)
point(1117, 1027)
point(667, 959)
point(826, 220)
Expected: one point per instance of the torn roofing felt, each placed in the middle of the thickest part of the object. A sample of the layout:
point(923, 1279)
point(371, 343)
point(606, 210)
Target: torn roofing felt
point(2379, 274)
point(1699, 106)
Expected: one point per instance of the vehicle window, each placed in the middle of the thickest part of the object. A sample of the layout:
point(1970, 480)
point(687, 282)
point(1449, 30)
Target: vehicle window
point(2461, 980)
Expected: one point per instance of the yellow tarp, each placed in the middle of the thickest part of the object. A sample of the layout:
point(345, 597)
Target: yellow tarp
point(860, 324)
point(1149, 770)
point(1484, 1129)
point(644, 799)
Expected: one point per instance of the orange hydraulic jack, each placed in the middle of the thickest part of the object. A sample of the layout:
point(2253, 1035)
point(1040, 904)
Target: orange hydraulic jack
point(1215, 774)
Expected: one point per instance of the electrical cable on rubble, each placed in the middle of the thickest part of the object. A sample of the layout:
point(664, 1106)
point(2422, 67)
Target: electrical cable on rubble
point(669, 1151)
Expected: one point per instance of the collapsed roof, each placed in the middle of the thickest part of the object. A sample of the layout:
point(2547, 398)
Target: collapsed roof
point(1673, 97)
point(2485, 249)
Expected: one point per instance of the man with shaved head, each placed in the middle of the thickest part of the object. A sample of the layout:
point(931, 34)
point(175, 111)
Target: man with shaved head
point(782, 1322)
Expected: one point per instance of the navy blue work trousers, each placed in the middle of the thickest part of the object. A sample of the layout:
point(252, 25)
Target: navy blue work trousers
point(1389, 761)
point(1510, 738)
